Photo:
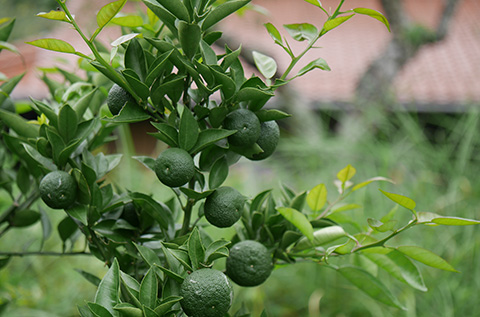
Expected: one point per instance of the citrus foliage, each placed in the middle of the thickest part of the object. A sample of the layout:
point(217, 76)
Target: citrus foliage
point(164, 70)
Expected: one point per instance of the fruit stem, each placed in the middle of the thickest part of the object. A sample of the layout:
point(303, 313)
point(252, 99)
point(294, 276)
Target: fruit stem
point(188, 211)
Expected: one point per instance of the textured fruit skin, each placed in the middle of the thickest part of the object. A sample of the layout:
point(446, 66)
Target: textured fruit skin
point(247, 125)
point(206, 293)
point(117, 98)
point(58, 189)
point(249, 263)
point(224, 207)
point(174, 167)
point(268, 140)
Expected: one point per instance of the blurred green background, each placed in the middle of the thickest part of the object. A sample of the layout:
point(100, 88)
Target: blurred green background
point(432, 157)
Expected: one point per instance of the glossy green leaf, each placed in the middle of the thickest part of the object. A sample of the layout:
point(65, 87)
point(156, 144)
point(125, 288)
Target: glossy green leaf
point(318, 63)
point(208, 54)
point(188, 130)
point(157, 67)
point(165, 16)
point(130, 113)
point(369, 284)
point(218, 173)
point(108, 292)
point(380, 226)
point(166, 304)
point(196, 250)
point(455, 221)
point(302, 31)
point(374, 14)
point(426, 257)
point(149, 289)
point(166, 133)
point(24, 218)
point(228, 86)
point(19, 124)
point(84, 103)
point(35, 155)
point(183, 257)
point(156, 210)
point(6, 28)
point(346, 173)
point(271, 114)
point(147, 161)
point(130, 21)
point(317, 197)
point(401, 200)
point(53, 45)
point(135, 59)
point(148, 255)
point(371, 180)
point(298, 220)
point(398, 266)
point(67, 123)
point(316, 3)
point(274, 33)
point(333, 23)
point(265, 64)
point(54, 15)
point(177, 8)
point(256, 97)
point(128, 310)
point(100, 311)
point(321, 237)
point(93, 279)
point(189, 35)
point(7, 87)
point(108, 12)
point(222, 11)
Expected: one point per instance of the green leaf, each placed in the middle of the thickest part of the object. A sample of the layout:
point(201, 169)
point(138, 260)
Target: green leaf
point(6, 28)
point(257, 97)
point(166, 304)
point(222, 11)
point(165, 16)
point(130, 113)
point(188, 130)
point(398, 266)
point(108, 12)
point(148, 255)
point(228, 86)
point(208, 54)
point(374, 14)
point(130, 21)
point(190, 193)
point(426, 257)
point(189, 36)
point(128, 310)
point(67, 123)
point(99, 310)
point(147, 161)
point(10, 47)
point(369, 284)
point(265, 64)
point(401, 200)
point(177, 8)
point(19, 124)
point(317, 197)
point(196, 250)
point(368, 181)
point(107, 294)
point(321, 237)
point(333, 23)
point(274, 33)
point(346, 173)
point(156, 210)
point(302, 31)
point(84, 103)
point(183, 257)
point(54, 15)
point(7, 87)
point(149, 289)
point(4, 261)
point(135, 59)
point(455, 221)
point(218, 173)
point(318, 63)
point(209, 137)
point(93, 279)
point(298, 220)
point(316, 3)
point(380, 226)
point(166, 133)
point(53, 45)
point(271, 114)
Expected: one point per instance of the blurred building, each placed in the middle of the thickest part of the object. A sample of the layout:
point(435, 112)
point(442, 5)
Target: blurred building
point(442, 77)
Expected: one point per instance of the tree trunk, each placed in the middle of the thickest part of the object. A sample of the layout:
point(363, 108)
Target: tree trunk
point(376, 83)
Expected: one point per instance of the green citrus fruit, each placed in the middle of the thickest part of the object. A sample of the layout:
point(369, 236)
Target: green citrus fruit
point(58, 189)
point(117, 98)
point(224, 207)
point(249, 263)
point(247, 125)
point(268, 140)
point(174, 167)
point(206, 293)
